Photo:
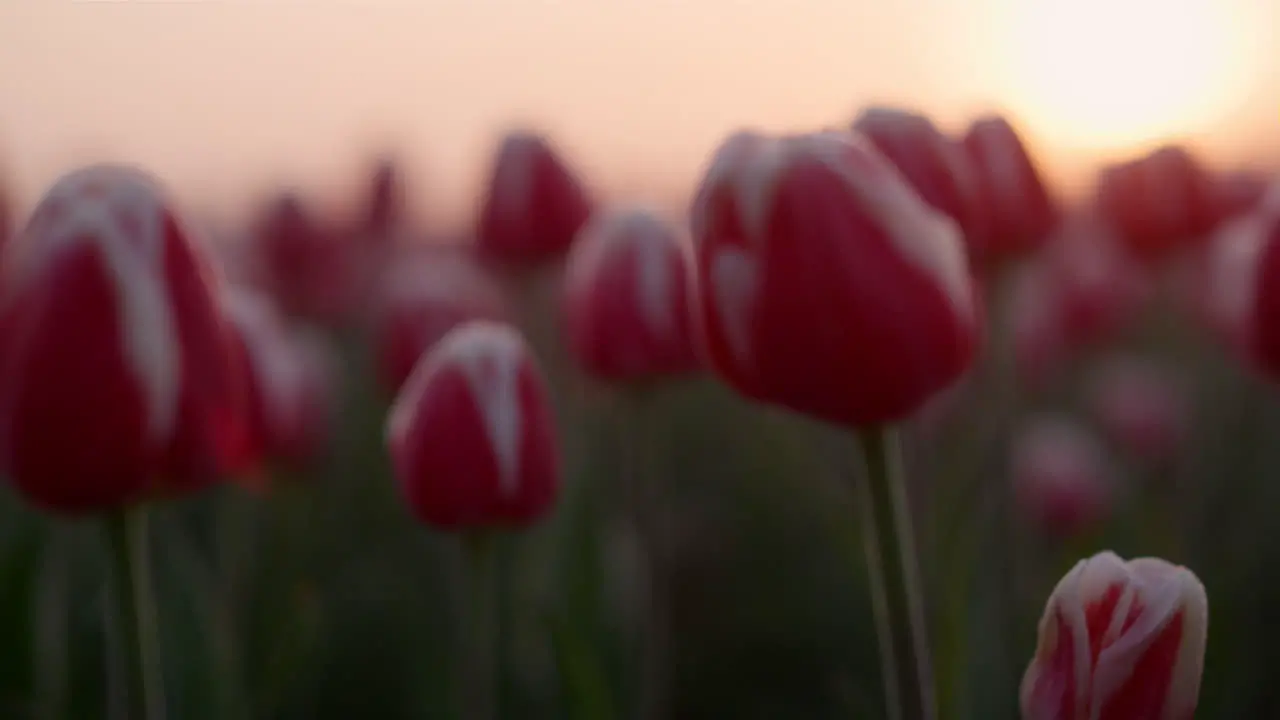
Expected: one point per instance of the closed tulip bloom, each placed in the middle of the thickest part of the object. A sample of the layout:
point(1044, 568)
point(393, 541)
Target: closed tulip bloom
point(288, 381)
point(1225, 290)
point(533, 204)
point(312, 272)
point(626, 298)
point(1016, 209)
point(1237, 193)
point(936, 165)
point(421, 298)
point(1261, 293)
point(384, 208)
point(1060, 475)
point(825, 284)
point(1141, 406)
point(471, 436)
point(117, 375)
point(1160, 203)
point(1119, 641)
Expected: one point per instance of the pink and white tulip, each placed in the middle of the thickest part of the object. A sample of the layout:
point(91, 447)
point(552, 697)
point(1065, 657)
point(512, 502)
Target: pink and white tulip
point(1141, 406)
point(1016, 211)
point(1061, 476)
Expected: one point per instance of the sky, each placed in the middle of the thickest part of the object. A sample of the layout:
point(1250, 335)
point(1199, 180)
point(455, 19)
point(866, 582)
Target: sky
point(225, 99)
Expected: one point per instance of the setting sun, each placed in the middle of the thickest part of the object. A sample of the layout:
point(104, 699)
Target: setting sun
point(1110, 74)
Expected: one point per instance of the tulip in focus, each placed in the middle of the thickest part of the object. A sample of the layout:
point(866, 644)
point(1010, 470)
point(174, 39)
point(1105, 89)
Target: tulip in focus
point(117, 376)
point(626, 298)
point(1159, 203)
point(533, 205)
point(936, 165)
point(1014, 205)
point(288, 380)
point(470, 435)
point(420, 299)
point(1060, 475)
point(825, 284)
point(1141, 406)
point(1119, 641)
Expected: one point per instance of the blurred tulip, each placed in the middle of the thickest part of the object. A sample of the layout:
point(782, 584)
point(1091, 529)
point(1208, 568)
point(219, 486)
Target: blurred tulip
point(1060, 475)
point(117, 378)
point(385, 205)
point(1224, 290)
point(471, 435)
point(421, 298)
point(288, 382)
point(1016, 211)
point(311, 271)
point(1260, 289)
point(825, 284)
point(936, 165)
point(626, 298)
point(1119, 641)
point(1237, 193)
point(1141, 406)
point(533, 205)
point(1159, 203)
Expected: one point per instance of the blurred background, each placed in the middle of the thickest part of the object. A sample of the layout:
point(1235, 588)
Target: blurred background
point(315, 595)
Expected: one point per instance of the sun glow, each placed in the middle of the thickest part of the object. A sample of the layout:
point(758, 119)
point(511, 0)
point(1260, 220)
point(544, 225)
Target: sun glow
point(1110, 74)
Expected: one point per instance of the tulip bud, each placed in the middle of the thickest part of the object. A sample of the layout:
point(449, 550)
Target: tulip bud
point(422, 298)
point(471, 436)
point(1229, 284)
point(1262, 294)
point(625, 302)
point(825, 284)
point(288, 380)
point(117, 376)
point(1141, 406)
point(1236, 194)
point(385, 205)
point(1016, 209)
point(1119, 641)
point(1159, 203)
point(1060, 475)
point(312, 271)
point(533, 206)
point(936, 166)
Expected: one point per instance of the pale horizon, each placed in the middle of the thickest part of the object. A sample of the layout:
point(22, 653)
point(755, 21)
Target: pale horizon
point(226, 98)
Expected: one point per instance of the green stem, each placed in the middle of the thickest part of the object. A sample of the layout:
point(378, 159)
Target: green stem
point(135, 612)
point(895, 582)
point(480, 666)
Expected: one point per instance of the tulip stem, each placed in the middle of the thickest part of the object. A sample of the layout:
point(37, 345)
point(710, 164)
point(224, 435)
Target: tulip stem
point(135, 612)
point(480, 663)
point(895, 580)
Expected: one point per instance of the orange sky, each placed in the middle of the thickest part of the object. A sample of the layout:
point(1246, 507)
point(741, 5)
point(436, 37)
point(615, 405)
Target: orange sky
point(222, 97)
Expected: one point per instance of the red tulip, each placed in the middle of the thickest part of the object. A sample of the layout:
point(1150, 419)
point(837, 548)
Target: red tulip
point(471, 436)
point(1237, 193)
point(825, 284)
point(626, 302)
point(533, 205)
point(385, 204)
point(1016, 210)
point(1141, 406)
point(312, 272)
point(117, 378)
point(421, 299)
point(288, 381)
point(1119, 641)
point(936, 165)
point(1060, 475)
point(1159, 203)
point(1261, 290)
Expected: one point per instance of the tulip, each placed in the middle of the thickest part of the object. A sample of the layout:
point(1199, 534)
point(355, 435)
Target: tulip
point(1015, 207)
point(420, 299)
point(1060, 475)
point(825, 284)
point(1236, 193)
point(1119, 641)
point(117, 376)
point(533, 205)
point(1226, 288)
point(311, 270)
point(1159, 203)
point(625, 301)
point(936, 165)
point(288, 379)
point(385, 204)
point(1141, 406)
point(1261, 291)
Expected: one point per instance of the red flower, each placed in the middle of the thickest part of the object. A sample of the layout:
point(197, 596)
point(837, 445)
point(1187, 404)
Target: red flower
point(1060, 475)
point(471, 436)
point(423, 297)
point(533, 205)
point(936, 165)
point(312, 271)
point(117, 379)
point(1159, 203)
point(825, 284)
point(1141, 406)
point(1016, 209)
point(626, 298)
point(1119, 641)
